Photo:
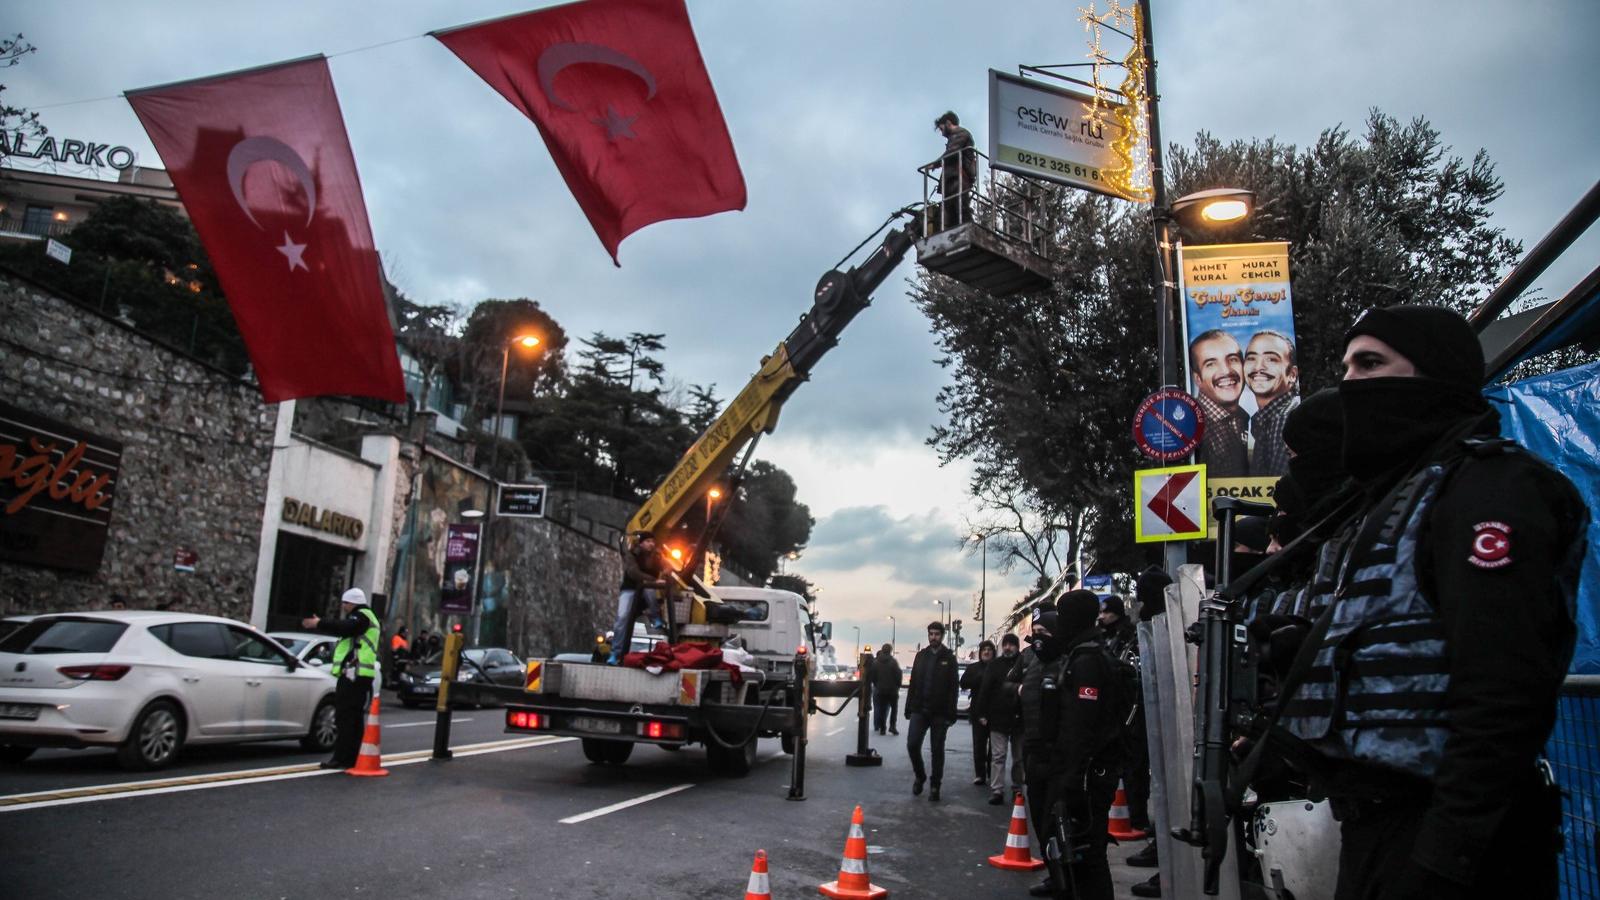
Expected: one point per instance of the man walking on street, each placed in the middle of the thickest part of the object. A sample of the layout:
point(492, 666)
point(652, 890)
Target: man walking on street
point(355, 662)
point(931, 706)
point(1434, 674)
point(885, 690)
point(995, 706)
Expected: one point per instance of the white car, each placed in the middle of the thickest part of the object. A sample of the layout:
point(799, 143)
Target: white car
point(147, 683)
point(307, 646)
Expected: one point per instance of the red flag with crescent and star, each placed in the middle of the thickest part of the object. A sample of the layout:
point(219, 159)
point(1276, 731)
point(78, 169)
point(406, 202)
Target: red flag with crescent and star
point(620, 94)
point(263, 166)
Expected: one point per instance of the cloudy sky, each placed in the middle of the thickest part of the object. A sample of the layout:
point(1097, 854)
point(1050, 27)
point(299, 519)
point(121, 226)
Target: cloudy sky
point(830, 106)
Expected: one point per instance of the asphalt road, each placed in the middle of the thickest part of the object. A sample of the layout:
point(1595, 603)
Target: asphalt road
point(525, 817)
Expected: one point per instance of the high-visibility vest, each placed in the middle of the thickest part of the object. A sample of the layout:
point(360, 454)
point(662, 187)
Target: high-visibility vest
point(365, 644)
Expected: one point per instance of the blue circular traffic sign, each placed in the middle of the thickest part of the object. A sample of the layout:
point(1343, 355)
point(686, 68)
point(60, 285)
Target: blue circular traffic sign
point(1168, 425)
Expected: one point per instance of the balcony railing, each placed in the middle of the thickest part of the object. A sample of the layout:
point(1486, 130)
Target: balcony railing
point(18, 225)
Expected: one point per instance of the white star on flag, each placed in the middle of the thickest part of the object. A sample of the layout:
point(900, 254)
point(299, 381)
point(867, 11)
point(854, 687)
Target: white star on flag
point(293, 253)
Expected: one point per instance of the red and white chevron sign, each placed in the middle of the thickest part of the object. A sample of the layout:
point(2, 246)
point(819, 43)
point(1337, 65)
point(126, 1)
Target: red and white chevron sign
point(1169, 504)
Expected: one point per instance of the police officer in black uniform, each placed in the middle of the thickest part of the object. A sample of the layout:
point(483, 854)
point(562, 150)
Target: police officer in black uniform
point(1089, 750)
point(1038, 729)
point(1435, 669)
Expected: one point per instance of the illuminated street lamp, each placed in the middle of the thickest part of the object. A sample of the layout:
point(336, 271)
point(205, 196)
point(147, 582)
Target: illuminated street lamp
point(527, 342)
point(1218, 206)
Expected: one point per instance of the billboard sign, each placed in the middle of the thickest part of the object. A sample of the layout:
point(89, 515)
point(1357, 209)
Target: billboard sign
point(1043, 131)
point(1238, 322)
point(460, 562)
point(520, 500)
point(57, 488)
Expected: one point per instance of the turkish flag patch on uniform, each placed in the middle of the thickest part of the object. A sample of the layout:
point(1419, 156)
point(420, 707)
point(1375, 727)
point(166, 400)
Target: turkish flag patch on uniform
point(1491, 545)
point(1088, 693)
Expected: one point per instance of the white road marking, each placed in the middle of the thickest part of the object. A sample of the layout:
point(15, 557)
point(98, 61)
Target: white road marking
point(615, 807)
point(420, 724)
point(97, 793)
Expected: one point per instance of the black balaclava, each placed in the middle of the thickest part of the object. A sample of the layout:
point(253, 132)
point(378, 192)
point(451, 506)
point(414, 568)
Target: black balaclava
point(1389, 422)
point(1077, 611)
point(1149, 591)
point(1050, 647)
point(1314, 430)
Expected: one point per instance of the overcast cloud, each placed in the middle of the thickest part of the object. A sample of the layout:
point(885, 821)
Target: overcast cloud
point(830, 106)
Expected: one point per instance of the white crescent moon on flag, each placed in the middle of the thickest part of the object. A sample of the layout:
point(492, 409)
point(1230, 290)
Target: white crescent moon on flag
point(250, 151)
point(1486, 544)
point(559, 56)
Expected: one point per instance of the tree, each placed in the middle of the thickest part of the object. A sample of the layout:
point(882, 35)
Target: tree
point(143, 261)
point(764, 522)
point(489, 328)
point(16, 118)
point(1043, 384)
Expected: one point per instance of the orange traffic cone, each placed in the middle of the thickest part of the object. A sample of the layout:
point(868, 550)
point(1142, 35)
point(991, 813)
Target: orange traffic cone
point(758, 888)
point(1017, 857)
point(853, 882)
point(1118, 824)
point(370, 762)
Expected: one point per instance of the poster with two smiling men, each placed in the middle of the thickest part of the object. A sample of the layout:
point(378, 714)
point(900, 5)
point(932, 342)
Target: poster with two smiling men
point(1239, 329)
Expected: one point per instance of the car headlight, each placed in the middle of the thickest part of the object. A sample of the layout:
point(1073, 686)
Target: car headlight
point(465, 675)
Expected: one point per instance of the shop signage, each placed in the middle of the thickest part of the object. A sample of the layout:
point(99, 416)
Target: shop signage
point(460, 562)
point(57, 487)
point(84, 153)
point(524, 500)
point(184, 559)
point(306, 515)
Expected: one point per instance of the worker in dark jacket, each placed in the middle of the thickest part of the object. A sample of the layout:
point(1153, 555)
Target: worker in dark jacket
point(958, 172)
point(994, 705)
point(931, 706)
point(1435, 672)
point(355, 663)
point(640, 592)
point(885, 690)
point(1088, 746)
point(971, 679)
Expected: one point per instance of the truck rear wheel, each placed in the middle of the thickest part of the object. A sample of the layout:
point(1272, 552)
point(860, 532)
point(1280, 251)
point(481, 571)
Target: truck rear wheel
point(607, 753)
point(734, 763)
point(787, 741)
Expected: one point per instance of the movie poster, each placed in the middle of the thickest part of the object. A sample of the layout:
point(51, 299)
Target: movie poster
point(1238, 325)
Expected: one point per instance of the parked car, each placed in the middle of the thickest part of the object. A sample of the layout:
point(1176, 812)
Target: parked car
point(148, 683)
point(419, 684)
point(963, 696)
point(309, 647)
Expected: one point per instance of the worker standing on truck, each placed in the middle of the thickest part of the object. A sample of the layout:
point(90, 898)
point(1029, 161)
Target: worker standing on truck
point(931, 706)
point(641, 581)
point(1431, 678)
point(355, 663)
point(958, 172)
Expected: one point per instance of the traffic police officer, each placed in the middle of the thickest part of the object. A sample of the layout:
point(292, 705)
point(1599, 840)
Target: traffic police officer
point(1088, 748)
point(1437, 664)
point(355, 663)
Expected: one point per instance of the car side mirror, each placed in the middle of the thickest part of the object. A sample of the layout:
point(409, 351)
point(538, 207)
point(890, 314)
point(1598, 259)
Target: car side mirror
point(827, 631)
point(314, 662)
point(291, 664)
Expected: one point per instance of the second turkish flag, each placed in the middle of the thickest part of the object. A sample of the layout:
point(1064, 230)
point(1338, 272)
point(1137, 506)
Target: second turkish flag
point(264, 169)
point(620, 94)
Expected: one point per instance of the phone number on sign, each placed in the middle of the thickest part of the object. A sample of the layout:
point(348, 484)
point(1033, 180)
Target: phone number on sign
point(1056, 165)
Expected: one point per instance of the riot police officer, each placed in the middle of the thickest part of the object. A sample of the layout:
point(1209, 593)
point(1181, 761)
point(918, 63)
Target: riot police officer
point(1433, 673)
point(1038, 729)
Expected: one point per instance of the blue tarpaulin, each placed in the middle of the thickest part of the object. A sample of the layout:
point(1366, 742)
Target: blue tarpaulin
point(1557, 416)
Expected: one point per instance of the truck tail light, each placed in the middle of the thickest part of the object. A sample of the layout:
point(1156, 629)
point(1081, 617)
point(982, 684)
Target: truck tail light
point(529, 721)
point(661, 731)
point(95, 673)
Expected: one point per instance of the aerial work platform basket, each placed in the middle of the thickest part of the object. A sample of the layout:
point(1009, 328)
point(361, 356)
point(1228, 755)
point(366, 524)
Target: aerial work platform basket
point(988, 234)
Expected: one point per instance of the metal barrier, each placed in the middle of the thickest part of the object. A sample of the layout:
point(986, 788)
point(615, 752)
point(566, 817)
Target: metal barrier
point(1574, 753)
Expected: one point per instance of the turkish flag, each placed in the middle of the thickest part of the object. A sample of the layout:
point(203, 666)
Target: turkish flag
point(263, 166)
point(620, 94)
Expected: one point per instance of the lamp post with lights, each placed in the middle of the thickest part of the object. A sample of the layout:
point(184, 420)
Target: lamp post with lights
point(527, 342)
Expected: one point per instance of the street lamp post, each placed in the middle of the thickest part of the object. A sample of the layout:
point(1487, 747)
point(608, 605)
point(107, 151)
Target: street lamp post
point(892, 625)
point(941, 609)
point(858, 640)
point(983, 590)
point(523, 340)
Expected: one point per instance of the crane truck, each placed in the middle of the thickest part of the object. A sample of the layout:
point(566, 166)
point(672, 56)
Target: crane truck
point(611, 708)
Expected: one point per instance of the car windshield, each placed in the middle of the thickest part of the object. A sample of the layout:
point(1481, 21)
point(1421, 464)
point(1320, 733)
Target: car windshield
point(476, 655)
point(61, 635)
point(293, 645)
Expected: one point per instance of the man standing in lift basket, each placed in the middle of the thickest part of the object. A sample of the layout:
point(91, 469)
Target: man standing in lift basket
point(1430, 681)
